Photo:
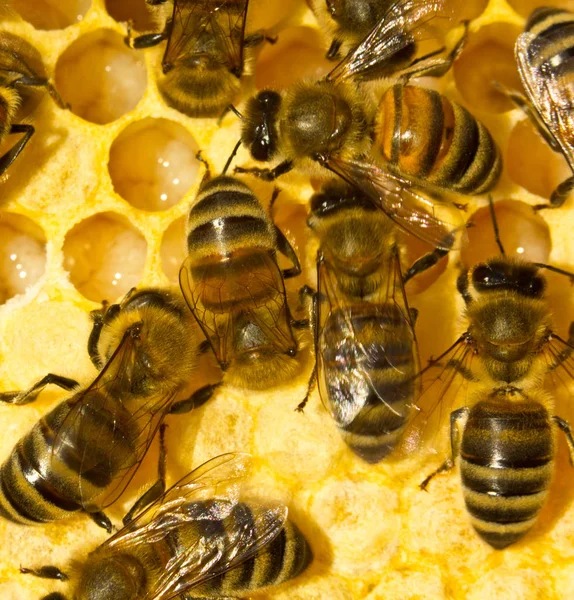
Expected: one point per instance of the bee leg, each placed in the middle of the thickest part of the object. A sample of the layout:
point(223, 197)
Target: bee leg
point(334, 48)
point(100, 317)
point(286, 249)
point(457, 420)
point(158, 488)
point(424, 262)
point(9, 157)
point(35, 81)
point(46, 572)
point(258, 38)
point(101, 520)
point(198, 398)
point(559, 195)
point(147, 40)
point(308, 292)
point(564, 426)
point(30, 395)
point(268, 174)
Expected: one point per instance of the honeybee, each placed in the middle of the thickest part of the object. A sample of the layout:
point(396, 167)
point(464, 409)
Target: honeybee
point(84, 452)
point(198, 540)
point(234, 287)
point(203, 61)
point(365, 339)
point(504, 436)
point(411, 137)
point(544, 57)
point(21, 70)
point(363, 23)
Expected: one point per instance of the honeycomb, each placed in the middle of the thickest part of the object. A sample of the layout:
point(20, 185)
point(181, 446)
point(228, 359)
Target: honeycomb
point(97, 204)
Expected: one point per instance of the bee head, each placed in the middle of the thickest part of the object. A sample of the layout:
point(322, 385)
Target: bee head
point(352, 15)
point(259, 132)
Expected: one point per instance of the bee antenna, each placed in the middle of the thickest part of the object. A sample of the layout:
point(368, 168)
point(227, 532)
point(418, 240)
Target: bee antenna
point(235, 111)
point(495, 226)
point(555, 270)
point(231, 157)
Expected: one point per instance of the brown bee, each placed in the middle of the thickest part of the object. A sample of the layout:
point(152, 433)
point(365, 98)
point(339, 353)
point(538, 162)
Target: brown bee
point(504, 436)
point(203, 61)
point(83, 453)
point(198, 540)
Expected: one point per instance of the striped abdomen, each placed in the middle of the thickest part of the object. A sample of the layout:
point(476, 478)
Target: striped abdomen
point(368, 359)
point(424, 136)
point(285, 557)
point(39, 485)
point(553, 47)
point(506, 463)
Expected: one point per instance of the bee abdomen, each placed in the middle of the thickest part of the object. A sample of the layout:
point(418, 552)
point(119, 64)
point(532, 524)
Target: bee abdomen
point(40, 483)
point(378, 362)
point(285, 557)
point(423, 135)
point(227, 216)
point(506, 466)
point(554, 41)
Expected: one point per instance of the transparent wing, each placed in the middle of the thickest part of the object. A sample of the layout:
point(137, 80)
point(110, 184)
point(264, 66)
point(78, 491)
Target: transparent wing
point(200, 26)
point(356, 338)
point(445, 383)
point(550, 88)
point(403, 24)
point(15, 62)
point(400, 201)
point(208, 531)
point(103, 438)
point(255, 285)
point(558, 356)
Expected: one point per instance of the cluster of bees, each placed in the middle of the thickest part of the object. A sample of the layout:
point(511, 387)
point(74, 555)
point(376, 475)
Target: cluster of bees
point(386, 163)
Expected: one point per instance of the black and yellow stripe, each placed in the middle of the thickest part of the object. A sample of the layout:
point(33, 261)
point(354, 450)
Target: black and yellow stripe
point(378, 362)
point(39, 484)
point(552, 49)
point(426, 137)
point(506, 463)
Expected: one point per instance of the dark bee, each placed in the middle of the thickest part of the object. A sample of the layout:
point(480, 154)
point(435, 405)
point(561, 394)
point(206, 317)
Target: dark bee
point(505, 437)
point(83, 453)
point(364, 23)
point(21, 70)
point(198, 540)
point(382, 148)
point(365, 341)
point(203, 61)
point(544, 53)
point(234, 287)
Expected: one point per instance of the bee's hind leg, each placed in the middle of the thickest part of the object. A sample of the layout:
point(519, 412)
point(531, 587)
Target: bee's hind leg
point(30, 395)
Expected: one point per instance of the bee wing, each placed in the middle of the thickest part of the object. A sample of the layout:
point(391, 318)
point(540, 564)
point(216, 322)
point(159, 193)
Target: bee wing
point(186, 514)
point(202, 23)
point(260, 292)
point(444, 388)
point(558, 355)
point(402, 24)
point(550, 90)
point(345, 358)
point(87, 440)
point(13, 63)
point(400, 201)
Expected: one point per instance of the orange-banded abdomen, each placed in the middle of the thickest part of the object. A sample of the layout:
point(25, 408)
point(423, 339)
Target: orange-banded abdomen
point(368, 359)
point(424, 136)
point(40, 483)
point(506, 463)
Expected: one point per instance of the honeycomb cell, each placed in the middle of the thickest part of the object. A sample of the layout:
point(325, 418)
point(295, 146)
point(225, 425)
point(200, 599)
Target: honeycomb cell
point(299, 53)
point(469, 10)
point(152, 163)
point(523, 234)
point(525, 7)
point(488, 58)
point(359, 543)
point(173, 250)
point(105, 256)
point(22, 254)
point(136, 11)
point(531, 163)
point(52, 14)
point(100, 77)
